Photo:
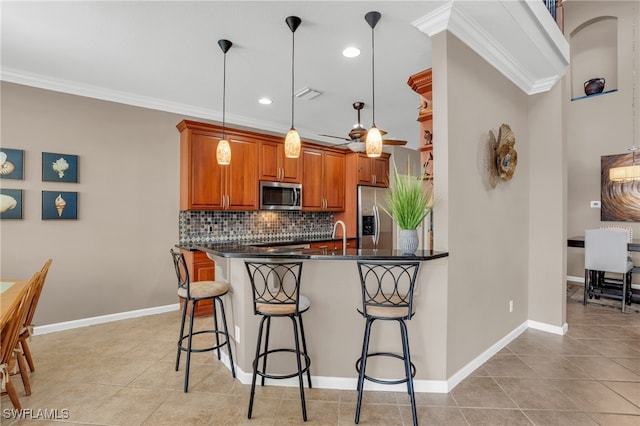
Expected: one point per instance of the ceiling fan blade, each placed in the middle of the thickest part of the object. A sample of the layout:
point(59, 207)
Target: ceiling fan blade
point(395, 142)
point(337, 137)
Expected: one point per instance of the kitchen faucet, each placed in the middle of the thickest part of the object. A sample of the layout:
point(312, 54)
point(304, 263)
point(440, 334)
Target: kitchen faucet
point(344, 233)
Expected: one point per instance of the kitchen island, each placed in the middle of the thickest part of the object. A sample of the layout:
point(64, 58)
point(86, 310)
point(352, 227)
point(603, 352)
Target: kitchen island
point(333, 326)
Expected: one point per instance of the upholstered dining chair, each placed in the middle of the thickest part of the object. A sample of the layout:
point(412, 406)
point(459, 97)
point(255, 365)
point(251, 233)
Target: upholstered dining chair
point(606, 250)
point(27, 329)
point(9, 341)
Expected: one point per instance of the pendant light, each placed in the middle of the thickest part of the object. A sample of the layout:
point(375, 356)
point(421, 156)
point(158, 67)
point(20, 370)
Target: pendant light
point(630, 173)
point(292, 140)
point(373, 143)
point(223, 152)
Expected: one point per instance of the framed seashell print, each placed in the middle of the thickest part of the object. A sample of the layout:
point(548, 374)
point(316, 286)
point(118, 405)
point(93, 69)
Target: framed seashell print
point(59, 205)
point(10, 203)
point(11, 163)
point(59, 167)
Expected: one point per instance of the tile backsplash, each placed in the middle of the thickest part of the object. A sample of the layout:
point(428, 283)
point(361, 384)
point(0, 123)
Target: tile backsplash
point(256, 226)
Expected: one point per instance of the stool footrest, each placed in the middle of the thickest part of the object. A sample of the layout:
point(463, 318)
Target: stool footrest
point(305, 367)
point(386, 381)
point(222, 343)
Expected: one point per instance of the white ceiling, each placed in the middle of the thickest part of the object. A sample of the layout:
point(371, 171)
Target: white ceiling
point(164, 55)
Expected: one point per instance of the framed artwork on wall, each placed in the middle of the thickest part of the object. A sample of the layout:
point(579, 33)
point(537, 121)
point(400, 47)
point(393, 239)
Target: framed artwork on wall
point(620, 201)
point(10, 203)
point(11, 163)
point(59, 205)
point(59, 167)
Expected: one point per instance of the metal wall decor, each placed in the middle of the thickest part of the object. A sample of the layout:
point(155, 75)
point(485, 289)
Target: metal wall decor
point(620, 201)
point(503, 157)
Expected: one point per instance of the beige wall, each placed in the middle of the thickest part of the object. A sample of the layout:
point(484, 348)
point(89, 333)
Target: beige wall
point(114, 258)
point(598, 126)
point(487, 232)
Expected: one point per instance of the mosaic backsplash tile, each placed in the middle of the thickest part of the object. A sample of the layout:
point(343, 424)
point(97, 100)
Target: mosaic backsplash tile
point(256, 226)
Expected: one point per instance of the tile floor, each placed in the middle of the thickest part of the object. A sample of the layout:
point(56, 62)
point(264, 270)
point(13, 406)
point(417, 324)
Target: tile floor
point(122, 373)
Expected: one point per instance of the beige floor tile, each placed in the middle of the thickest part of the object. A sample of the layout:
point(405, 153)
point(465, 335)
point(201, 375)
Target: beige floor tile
point(536, 394)
point(615, 419)
point(559, 418)
point(611, 348)
point(371, 397)
point(425, 398)
point(233, 409)
point(444, 416)
point(161, 375)
point(313, 394)
point(481, 392)
point(371, 414)
point(318, 412)
point(554, 366)
point(508, 366)
point(629, 390)
point(181, 408)
point(494, 417)
point(594, 397)
point(602, 368)
point(632, 364)
point(129, 406)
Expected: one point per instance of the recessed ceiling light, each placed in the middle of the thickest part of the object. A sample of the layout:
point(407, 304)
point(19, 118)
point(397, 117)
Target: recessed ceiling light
point(265, 101)
point(351, 52)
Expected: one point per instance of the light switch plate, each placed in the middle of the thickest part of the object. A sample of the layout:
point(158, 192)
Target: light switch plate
point(595, 204)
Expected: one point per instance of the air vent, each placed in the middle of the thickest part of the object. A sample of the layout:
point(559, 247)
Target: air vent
point(307, 93)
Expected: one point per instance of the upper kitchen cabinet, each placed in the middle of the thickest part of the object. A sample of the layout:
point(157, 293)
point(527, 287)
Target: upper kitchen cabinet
point(205, 185)
point(275, 166)
point(323, 182)
point(372, 171)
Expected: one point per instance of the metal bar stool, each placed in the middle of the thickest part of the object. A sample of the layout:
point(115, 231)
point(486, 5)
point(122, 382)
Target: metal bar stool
point(194, 292)
point(387, 294)
point(276, 293)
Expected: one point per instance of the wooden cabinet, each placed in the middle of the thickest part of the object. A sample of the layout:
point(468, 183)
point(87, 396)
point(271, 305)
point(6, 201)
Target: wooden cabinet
point(205, 185)
point(421, 83)
point(200, 268)
point(333, 244)
point(275, 166)
point(323, 182)
point(373, 171)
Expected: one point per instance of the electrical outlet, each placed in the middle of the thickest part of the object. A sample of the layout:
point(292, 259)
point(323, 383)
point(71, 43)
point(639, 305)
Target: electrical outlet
point(594, 204)
point(237, 334)
point(510, 305)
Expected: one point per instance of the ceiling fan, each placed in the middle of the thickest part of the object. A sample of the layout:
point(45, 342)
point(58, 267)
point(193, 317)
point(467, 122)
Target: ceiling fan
point(358, 134)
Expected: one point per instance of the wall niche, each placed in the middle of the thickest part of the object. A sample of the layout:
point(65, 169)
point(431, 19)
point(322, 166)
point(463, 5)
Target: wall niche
point(594, 54)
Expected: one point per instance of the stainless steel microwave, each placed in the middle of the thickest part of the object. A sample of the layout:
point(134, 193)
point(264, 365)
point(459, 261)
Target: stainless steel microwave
point(280, 196)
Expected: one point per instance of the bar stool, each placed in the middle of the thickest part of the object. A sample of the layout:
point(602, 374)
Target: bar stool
point(195, 292)
point(387, 294)
point(276, 293)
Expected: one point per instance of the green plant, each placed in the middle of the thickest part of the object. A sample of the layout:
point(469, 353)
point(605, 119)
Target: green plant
point(409, 200)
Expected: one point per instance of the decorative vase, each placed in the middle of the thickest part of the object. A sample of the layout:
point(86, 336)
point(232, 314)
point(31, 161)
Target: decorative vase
point(593, 86)
point(408, 241)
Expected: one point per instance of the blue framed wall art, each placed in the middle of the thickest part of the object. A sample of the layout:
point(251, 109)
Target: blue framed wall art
point(10, 203)
point(59, 205)
point(11, 163)
point(59, 167)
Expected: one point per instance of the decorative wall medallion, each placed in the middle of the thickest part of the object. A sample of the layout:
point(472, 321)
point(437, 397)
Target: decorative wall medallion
point(503, 157)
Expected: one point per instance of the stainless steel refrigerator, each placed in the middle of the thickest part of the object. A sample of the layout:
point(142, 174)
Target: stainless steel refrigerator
point(375, 227)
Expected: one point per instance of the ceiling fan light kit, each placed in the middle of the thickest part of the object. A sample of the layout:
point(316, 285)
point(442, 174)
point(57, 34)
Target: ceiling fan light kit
point(373, 143)
point(292, 140)
point(223, 150)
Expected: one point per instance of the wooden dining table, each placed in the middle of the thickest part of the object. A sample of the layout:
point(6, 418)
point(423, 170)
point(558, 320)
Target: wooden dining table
point(12, 292)
point(578, 241)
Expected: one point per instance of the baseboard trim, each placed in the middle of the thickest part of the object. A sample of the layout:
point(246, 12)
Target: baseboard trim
point(554, 329)
point(68, 325)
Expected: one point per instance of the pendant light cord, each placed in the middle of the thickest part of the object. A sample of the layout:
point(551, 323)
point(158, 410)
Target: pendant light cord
point(224, 92)
point(373, 78)
point(293, 50)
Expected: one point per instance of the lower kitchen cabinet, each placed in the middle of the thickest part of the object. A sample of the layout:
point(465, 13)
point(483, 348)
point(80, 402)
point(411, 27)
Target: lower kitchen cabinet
point(332, 244)
point(200, 268)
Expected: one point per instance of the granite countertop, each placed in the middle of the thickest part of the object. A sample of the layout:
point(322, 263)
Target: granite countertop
point(272, 251)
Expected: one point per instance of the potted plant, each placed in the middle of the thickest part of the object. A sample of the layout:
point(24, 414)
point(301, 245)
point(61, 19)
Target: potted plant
point(409, 201)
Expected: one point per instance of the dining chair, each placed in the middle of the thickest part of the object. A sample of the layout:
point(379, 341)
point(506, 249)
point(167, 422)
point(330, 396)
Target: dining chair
point(27, 329)
point(9, 340)
point(606, 250)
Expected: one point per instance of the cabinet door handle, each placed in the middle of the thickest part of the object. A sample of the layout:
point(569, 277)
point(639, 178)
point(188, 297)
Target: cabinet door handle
point(374, 179)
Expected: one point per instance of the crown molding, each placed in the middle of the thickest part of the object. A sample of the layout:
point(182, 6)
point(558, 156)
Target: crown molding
point(519, 38)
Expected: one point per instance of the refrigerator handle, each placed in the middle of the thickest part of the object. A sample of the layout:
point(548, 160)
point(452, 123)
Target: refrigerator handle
point(376, 215)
